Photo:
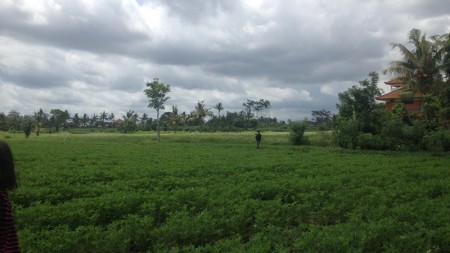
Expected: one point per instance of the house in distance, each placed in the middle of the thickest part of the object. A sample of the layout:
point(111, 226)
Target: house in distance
point(401, 93)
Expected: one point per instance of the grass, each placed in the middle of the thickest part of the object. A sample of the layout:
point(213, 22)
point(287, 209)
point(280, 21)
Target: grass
point(215, 192)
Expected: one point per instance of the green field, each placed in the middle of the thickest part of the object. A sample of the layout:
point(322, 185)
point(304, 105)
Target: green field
point(215, 192)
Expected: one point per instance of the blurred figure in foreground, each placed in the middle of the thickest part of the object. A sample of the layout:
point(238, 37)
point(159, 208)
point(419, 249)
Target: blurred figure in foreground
point(8, 236)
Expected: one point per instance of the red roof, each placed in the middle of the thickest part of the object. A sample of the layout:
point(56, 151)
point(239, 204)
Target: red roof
point(395, 82)
point(395, 94)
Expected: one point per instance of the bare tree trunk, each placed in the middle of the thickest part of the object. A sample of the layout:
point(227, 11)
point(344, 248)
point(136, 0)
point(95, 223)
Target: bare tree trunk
point(157, 125)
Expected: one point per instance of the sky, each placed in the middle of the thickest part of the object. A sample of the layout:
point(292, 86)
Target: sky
point(90, 56)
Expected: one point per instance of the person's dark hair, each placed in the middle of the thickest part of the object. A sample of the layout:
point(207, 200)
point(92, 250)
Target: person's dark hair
point(7, 175)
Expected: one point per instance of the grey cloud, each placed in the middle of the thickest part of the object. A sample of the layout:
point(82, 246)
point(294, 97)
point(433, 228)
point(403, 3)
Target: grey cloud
point(212, 50)
point(197, 10)
point(73, 27)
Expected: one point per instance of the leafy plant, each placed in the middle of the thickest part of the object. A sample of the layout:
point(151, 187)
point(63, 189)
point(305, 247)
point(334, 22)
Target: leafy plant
point(297, 133)
point(103, 192)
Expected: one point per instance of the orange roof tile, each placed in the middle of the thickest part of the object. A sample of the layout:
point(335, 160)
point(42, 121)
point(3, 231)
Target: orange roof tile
point(395, 94)
point(395, 82)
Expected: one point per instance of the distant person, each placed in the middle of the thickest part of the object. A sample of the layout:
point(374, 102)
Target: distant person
point(8, 235)
point(258, 138)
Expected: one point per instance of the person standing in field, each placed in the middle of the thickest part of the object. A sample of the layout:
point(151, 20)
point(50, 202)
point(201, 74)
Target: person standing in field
point(258, 138)
point(8, 236)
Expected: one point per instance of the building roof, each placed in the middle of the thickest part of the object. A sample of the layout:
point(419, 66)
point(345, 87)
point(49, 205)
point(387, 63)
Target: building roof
point(395, 94)
point(395, 82)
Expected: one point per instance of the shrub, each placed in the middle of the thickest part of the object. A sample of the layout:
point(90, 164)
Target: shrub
point(437, 141)
point(297, 133)
point(413, 135)
point(346, 134)
point(370, 141)
point(392, 133)
point(27, 130)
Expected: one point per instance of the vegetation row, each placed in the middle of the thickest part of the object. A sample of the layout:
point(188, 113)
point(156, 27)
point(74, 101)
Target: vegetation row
point(216, 192)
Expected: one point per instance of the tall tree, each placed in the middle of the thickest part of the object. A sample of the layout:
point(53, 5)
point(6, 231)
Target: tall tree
point(94, 120)
point(446, 55)
point(266, 105)
point(111, 117)
point(248, 108)
point(156, 93)
point(85, 120)
point(76, 120)
point(359, 104)
point(14, 120)
point(420, 65)
point(322, 118)
point(59, 118)
point(143, 121)
point(130, 120)
point(3, 122)
point(218, 107)
point(27, 125)
point(40, 117)
point(200, 112)
point(103, 118)
point(174, 118)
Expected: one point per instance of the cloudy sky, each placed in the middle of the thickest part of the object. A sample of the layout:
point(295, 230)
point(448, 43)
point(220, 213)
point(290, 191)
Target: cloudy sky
point(89, 56)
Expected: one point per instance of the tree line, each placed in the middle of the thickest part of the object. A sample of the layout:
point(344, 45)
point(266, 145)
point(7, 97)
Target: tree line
point(201, 118)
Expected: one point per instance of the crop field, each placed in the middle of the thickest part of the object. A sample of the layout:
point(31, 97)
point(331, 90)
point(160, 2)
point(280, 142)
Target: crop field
point(215, 192)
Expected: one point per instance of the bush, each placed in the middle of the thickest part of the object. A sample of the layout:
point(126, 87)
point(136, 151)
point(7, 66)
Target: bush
point(437, 141)
point(297, 133)
point(413, 135)
point(346, 134)
point(392, 133)
point(370, 141)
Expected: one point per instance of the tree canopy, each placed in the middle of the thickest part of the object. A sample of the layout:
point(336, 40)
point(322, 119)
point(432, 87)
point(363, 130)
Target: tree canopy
point(156, 92)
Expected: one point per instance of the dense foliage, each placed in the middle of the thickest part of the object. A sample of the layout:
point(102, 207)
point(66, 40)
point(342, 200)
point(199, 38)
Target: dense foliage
point(255, 115)
point(217, 193)
point(371, 127)
point(297, 133)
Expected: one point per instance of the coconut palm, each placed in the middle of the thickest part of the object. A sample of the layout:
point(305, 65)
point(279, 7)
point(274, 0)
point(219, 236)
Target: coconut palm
point(200, 112)
point(40, 116)
point(174, 118)
point(85, 120)
point(130, 120)
point(420, 66)
point(218, 107)
point(103, 117)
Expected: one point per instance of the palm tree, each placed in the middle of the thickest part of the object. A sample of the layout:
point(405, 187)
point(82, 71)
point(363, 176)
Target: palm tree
point(76, 120)
point(266, 105)
point(143, 120)
point(200, 112)
point(218, 107)
point(94, 120)
point(130, 120)
point(40, 117)
point(249, 106)
point(85, 119)
point(420, 66)
point(111, 118)
point(174, 118)
point(103, 118)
